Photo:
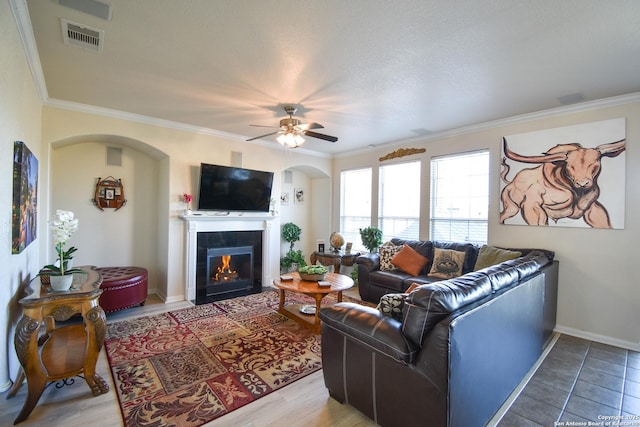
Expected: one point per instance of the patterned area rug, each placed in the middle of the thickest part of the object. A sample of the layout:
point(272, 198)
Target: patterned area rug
point(190, 366)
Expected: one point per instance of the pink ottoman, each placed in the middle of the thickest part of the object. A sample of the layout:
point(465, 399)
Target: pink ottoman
point(122, 287)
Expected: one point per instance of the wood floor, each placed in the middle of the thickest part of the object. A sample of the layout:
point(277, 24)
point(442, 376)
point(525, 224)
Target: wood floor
point(303, 403)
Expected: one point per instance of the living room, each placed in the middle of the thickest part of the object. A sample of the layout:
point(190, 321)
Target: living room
point(597, 300)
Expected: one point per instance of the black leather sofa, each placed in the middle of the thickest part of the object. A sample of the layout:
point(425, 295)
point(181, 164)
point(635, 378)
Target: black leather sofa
point(460, 348)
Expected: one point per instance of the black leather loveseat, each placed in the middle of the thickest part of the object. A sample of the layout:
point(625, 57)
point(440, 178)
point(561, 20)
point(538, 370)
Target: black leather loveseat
point(456, 352)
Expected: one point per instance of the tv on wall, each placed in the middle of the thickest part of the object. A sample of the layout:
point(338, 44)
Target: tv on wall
point(225, 188)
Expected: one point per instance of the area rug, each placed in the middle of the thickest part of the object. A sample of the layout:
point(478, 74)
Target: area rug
point(188, 367)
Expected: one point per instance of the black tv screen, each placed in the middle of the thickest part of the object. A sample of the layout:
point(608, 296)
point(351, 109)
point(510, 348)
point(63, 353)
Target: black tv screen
point(225, 188)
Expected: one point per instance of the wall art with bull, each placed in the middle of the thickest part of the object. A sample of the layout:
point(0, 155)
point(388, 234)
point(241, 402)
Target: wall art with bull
point(572, 176)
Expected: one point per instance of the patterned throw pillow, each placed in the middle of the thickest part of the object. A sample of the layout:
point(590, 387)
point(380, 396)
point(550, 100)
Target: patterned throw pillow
point(446, 263)
point(387, 252)
point(391, 305)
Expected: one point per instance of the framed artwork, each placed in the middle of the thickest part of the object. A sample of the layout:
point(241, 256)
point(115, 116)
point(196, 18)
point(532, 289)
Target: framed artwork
point(24, 209)
point(299, 196)
point(284, 198)
point(572, 176)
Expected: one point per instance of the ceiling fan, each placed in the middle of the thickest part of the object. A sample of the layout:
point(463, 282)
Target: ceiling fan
point(291, 131)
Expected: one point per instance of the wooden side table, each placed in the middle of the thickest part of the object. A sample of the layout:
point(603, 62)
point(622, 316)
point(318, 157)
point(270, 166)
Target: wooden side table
point(56, 353)
point(336, 259)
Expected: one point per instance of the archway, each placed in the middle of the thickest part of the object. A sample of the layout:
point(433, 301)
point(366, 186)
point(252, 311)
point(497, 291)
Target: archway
point(313, 213)
point(135, 233)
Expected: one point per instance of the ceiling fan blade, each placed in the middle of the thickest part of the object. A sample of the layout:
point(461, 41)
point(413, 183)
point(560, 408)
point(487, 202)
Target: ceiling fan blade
point(263, 126)
point(310, 126)
point(320, 136)
point(262, 136)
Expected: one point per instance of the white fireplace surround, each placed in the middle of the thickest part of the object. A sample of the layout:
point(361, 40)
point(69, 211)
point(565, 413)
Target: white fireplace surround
point(206, 222)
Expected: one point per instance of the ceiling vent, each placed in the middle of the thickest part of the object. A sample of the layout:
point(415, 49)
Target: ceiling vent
point(82, 36)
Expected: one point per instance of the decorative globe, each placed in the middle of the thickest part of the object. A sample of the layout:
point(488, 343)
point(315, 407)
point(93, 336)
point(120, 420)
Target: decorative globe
point(336, 240)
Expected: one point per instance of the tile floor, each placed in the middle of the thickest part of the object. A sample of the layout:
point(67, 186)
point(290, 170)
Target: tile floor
point(580, 383)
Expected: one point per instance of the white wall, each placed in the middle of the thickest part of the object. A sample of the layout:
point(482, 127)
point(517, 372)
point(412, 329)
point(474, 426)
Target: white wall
point(128, 236)
point(314, 215)
point(20, 110)
point(599, 296)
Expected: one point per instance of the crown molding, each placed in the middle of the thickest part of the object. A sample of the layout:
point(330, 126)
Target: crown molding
point(20, 12)
point(139, 118)
point(565, 109)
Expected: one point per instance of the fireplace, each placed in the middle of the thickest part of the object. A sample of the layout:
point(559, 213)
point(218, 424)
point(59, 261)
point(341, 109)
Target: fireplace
point(229, 264)
point(235, 243)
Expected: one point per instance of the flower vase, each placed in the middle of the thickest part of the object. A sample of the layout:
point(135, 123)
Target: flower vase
point(61, 283)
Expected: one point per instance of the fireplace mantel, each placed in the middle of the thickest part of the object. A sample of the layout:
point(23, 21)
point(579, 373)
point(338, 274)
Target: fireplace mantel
point(205, 222)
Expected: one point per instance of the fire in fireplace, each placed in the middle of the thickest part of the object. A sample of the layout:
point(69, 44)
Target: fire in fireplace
point(225, 273)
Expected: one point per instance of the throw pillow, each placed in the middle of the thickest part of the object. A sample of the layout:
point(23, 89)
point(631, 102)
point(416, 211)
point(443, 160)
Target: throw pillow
point(411, 287)
point(387, 252)
point(447, 263)
point(409, 261)
point(391, 305)
point(490, 255)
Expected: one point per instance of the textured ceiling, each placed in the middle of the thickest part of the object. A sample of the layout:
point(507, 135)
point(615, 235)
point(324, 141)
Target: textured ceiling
point(372, 72)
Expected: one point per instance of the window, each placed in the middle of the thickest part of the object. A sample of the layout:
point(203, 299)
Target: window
point(399, 201)
point(355, 204)
point(460, 198)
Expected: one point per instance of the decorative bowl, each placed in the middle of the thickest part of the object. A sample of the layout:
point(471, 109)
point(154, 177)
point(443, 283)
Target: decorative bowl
point(312, 277)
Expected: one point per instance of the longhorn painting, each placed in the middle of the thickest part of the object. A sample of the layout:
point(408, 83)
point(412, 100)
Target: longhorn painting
point(572, 176)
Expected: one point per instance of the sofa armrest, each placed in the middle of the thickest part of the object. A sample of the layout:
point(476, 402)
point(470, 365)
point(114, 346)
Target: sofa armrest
point(370, 261)
point(369, 327)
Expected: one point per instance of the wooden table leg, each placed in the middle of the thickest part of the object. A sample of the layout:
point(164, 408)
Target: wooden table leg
point(316, 323)
point(339, 296)
point(35, 387)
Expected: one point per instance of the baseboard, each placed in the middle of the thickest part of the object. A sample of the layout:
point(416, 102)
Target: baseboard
point(603, 339)
point(7, 386)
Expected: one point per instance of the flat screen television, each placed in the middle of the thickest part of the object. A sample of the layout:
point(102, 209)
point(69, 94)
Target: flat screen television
point(226, 188)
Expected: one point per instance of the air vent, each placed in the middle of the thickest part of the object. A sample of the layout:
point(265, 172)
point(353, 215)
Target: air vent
point(82, 36)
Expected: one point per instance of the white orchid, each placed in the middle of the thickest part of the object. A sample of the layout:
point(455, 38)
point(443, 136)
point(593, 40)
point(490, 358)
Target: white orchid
point(62, 226)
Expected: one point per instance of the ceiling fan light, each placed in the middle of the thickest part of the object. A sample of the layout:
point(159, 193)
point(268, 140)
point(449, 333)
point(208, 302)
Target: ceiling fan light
point(290, 140)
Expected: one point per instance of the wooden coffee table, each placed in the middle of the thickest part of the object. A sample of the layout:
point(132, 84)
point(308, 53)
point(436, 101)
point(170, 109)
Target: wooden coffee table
point(310, 319)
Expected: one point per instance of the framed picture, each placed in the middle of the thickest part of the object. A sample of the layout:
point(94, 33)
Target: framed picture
point(284, 198)
point(24, 209)
point(299, 196)
point(320, 245)
point(347, 249)
point(109, 193)
point(572, 176)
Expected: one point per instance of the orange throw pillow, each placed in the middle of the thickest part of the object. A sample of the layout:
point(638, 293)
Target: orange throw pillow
point(409, 261)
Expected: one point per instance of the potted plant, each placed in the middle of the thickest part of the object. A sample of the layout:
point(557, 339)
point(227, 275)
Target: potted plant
point(291, 233)
point(62, 226)
point(371, 238)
